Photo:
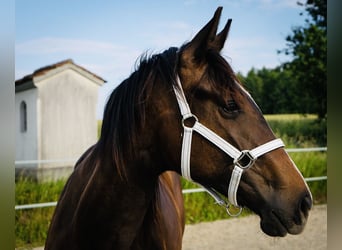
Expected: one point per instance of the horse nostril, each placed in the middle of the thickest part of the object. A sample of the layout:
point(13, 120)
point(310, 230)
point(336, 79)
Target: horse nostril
point(306, 204)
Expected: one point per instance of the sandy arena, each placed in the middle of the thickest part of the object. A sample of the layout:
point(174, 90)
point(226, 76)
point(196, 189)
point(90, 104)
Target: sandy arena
point(245, 233)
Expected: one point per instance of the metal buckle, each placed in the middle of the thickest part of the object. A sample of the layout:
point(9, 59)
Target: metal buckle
point(245, 160)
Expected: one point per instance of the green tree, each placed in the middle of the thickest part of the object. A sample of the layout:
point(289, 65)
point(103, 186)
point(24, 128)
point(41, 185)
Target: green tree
point(308, 46)
point(274, 90)
point(254, 84)
point(280, 95)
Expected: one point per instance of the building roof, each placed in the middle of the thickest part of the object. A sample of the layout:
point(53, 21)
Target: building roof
point(47, 70)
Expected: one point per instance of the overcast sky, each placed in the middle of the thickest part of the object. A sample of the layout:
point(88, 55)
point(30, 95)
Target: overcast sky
point(106, 37)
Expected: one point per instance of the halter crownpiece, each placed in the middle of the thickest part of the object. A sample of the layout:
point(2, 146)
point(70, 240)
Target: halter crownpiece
point(242, 159)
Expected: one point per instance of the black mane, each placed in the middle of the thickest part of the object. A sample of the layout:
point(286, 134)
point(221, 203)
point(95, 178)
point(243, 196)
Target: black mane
point(124, 112)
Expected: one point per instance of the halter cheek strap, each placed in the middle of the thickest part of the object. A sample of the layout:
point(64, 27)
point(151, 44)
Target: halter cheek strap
point(242, 159)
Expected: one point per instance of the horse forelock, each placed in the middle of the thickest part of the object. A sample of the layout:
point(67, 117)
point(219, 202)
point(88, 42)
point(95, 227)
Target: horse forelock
point(220, 73)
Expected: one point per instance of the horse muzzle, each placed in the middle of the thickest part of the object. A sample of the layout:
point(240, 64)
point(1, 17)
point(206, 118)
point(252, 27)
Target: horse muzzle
point(279, 222)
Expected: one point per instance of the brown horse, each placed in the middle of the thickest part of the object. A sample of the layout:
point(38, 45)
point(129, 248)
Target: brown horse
point(122, 194)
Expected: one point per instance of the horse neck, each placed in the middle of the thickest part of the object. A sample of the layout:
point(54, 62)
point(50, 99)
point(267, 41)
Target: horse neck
point(124, 202)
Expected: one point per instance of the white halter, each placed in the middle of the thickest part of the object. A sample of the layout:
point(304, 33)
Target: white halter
point(239, 156)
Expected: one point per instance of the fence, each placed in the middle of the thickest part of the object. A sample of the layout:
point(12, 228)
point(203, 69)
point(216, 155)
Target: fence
point(185, 191)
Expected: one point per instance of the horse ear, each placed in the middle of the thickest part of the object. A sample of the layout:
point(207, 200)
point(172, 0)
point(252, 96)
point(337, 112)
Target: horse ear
point(220, 39)
point(195, 50)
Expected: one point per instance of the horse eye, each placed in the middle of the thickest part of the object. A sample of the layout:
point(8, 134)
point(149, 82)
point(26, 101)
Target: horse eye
point(231, 106)
point(230, 109)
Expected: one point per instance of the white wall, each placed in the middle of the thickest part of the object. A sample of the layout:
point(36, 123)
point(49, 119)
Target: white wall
point(68, 124)
point(26, 142)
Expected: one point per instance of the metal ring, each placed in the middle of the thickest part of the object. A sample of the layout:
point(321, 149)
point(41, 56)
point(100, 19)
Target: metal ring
point(187, 117)
point(231, 212)
point(244, 153)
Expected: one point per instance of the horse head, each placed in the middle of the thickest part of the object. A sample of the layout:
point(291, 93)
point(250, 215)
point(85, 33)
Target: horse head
point(211, 100)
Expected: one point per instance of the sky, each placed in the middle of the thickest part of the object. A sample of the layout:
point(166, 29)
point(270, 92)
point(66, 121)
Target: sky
point(107, 37)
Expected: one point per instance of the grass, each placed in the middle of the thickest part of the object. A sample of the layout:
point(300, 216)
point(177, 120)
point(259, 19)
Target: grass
point(31, 225)
point(296, 130)
point(201, 207)
point(290, 117)
point(313, 164)
point(299, 131)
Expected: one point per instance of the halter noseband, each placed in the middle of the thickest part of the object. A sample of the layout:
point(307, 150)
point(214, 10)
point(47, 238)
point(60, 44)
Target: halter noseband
point(242, 159)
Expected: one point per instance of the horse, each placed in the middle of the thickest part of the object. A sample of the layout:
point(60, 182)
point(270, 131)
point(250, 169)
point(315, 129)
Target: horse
point(181, 112)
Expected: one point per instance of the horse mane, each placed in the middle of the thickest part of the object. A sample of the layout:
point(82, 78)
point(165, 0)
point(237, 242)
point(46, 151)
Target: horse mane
point(124, 113)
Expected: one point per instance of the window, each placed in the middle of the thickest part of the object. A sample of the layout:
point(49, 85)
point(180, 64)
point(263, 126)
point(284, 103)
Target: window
point(23, 117)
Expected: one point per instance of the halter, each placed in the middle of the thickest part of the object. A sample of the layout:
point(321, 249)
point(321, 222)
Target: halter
point(242, 159)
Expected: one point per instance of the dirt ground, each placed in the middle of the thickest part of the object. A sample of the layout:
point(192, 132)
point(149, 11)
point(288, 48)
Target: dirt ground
point(245, 233)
